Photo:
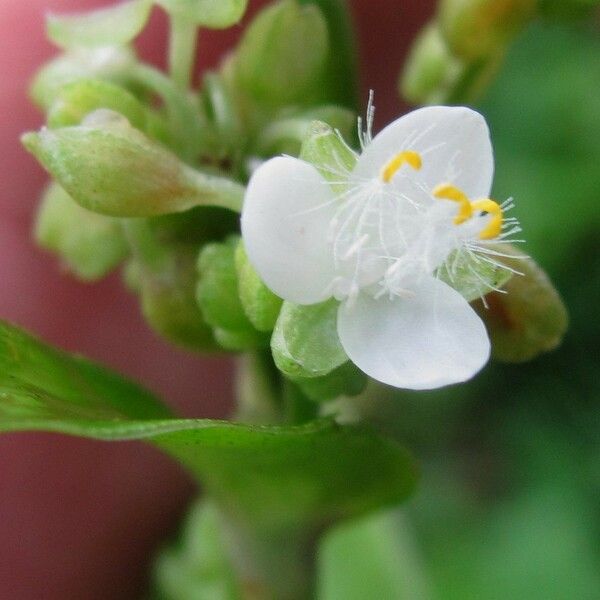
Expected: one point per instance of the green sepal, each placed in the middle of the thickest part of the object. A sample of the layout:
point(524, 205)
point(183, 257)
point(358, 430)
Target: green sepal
point(259, 303)
point(163, 272)
point(113, 26)
point(345, 380)
point(305, 341)
point(75, 100)
point(273, 62)
point(324, 147)
point(473, 277)
point(110, 167)
point(90, 245)
point(287, 134)
point(112, 63)
point(215, 15)
point(526, 320)
point(218, 298)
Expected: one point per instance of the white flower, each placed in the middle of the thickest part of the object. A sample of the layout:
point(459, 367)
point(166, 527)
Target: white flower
point(418, 195)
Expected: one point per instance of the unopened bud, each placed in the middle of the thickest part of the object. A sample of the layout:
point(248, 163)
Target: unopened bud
point(110, 167)
point(218, 297)
point(260, 304)
point(478, 28)
point(431, 70)
point(89, 244)
point(283, 53)
point(76, 100)
point(529, 318)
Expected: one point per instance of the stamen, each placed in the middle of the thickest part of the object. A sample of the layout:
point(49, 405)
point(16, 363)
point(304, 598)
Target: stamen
point(408, 157)
point(446, 191)
point(494, 227)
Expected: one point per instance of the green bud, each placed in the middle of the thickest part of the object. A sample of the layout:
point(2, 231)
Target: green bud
point(76, 100)
point(110, 63)
point(218, 297)
point(163, 272)
point(275, 63)
point(113, 26)
point(346, 380)
point(530, 318)
point(478, 28)
point(473, 278)
point(305, 341)
point(260, 304)
point(216, 14)
point(111, 168)
point(431, 70)
point(286, 135)
point(326, 149)
point(91, 245)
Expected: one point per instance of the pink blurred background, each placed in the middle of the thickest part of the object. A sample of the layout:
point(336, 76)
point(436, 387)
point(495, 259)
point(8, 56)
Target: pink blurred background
point(80, 519)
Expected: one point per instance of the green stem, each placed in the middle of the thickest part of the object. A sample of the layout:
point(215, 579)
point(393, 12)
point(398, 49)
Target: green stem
point(182, 50)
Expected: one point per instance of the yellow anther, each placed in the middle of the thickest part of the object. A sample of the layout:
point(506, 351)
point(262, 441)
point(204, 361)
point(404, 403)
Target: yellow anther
point(446, 191)
point(408, 157)
point(494, 227)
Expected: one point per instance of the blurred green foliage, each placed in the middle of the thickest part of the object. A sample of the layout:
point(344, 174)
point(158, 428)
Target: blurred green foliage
point(509, 504)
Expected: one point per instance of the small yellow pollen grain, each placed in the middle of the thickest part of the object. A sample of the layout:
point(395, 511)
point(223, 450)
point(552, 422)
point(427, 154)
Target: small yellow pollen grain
point(446, 191)
point(408, 157)
point(494, 227)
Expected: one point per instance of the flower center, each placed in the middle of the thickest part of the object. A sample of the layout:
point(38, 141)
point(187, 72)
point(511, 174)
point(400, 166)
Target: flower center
point(408, 157)
point(446, 191)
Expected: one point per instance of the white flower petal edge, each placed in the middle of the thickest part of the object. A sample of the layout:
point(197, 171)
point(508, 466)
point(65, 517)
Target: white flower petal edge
point(454, 143)
point(428, 340)
point(287, 210)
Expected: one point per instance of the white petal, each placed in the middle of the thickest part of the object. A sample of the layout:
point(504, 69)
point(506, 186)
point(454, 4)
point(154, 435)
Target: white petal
point(454, 144)
point(427, 341)
point(285, 220)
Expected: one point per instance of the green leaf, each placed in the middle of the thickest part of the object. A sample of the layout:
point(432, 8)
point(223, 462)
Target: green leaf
point(43, 388)
point(210, 13)
point(109, 167)
point(90, 244)
point(529, 318)
point(113, 26)
point(305, 341)
point(275, 478)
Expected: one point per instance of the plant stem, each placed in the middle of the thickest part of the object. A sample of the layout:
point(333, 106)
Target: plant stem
point(182, 50)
